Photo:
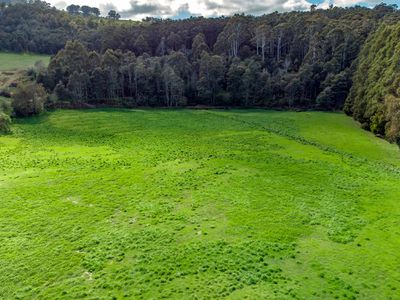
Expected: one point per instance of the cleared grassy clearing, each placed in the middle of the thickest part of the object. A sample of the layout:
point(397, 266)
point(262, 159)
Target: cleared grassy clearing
point(149, 204)
point(17, 61)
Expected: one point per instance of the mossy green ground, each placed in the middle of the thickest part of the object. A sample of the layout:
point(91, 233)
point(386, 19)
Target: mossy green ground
point(151, 204)
point(17, 61)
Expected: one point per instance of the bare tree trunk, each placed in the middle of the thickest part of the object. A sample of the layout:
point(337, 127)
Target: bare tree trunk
point(263, 44)
point(136, 86)
point(278, 50)
point(130, 83)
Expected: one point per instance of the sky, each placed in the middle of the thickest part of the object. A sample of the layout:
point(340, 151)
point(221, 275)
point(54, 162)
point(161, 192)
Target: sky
point(139, 9)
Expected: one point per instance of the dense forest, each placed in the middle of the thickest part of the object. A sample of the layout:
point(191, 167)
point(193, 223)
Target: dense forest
point(281, 60)
point(374, 99)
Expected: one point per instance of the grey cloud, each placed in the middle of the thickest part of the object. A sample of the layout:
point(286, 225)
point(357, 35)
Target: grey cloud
point(260, 7)
point(168, 8)
point(162, 8)
point(211, 5)
point(150, 9)
point(184, 12)
point(105, 8)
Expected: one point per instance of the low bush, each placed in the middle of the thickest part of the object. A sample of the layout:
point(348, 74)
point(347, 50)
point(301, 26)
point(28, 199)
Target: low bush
point(5, 122)
point(29, 99)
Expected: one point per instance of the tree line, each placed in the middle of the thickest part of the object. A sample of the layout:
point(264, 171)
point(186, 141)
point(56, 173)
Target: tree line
point(174, 79)
point(297, 59)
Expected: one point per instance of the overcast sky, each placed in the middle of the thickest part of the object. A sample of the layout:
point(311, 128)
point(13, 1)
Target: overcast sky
point(139, 9)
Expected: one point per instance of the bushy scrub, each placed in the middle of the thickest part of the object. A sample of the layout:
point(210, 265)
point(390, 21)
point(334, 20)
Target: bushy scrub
point(29, 99)
point(5, 112)
point(5, 106)
point(5, 122)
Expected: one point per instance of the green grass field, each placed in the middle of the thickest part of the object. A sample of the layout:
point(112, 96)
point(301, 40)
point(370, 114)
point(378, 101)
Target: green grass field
point(152, 204)
point(16, 61)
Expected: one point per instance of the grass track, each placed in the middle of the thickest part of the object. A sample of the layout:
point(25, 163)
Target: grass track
point(150, 204)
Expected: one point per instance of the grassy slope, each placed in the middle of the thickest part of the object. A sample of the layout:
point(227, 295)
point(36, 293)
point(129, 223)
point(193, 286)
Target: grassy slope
point(184, 204)
point(15, 61)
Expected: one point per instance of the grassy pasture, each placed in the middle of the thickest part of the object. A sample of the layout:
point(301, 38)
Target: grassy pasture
point(17, 61)
point(152, 204)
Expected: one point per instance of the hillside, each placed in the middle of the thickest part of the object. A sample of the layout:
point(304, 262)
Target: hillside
point(212, 204)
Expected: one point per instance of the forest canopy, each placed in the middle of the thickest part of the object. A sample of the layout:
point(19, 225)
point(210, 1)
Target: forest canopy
point(297, 59)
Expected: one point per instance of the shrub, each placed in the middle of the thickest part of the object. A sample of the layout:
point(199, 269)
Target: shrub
point(5, 106)
point(5, 122)
point(29, 99)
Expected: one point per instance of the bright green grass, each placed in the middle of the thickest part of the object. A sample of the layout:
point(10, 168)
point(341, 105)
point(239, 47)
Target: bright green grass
point(150, 204)
point(15, 61)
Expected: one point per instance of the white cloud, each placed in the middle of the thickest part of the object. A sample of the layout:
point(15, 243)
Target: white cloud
point(138, 9)
point(345, 3)
point(296, 5)
point(369, 3)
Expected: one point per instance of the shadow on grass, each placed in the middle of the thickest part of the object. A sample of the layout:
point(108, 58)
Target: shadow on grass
point(43, 117)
